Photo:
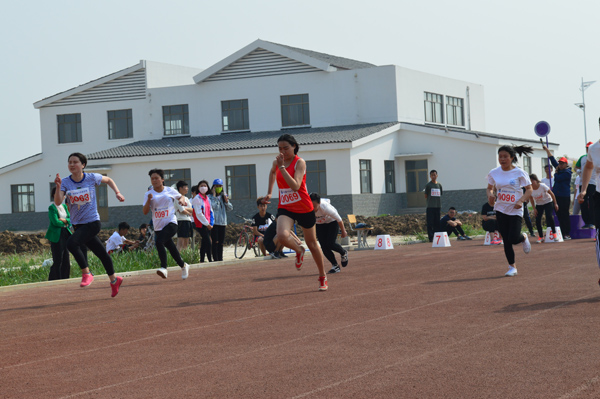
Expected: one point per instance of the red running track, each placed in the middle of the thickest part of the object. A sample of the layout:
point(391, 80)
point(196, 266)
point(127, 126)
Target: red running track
point(413, 322)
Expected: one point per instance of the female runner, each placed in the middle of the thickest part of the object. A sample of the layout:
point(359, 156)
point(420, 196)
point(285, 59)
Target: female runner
point(160, 199)
point(81, 194)
point(289, 170)
point(508, 180)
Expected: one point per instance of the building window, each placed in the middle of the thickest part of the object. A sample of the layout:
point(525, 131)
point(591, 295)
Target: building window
point(294, 110)
point(23, 199)
point(454, 111)
point(527, 164)
point(176, 120)
point(390, 176)
point(434, 108)
point(316, 177)
point(365, 176)
point(69, 128)
point(172, 176)
point(120, 124)
point(241, 181)
point(235, 115)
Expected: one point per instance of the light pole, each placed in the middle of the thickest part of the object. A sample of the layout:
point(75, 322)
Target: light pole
point(584, 85)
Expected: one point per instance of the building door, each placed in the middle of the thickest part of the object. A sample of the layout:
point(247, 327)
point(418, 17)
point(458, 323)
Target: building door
point(102, 201)
point(416, 179)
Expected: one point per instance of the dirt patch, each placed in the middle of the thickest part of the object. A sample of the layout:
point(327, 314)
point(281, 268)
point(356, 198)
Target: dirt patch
point(396, 225)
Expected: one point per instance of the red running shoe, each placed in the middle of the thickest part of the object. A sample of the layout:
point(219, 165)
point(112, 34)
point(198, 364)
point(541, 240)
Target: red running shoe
point(299, 259)
point(86, 279)
point(115, 287)
point(323, 283)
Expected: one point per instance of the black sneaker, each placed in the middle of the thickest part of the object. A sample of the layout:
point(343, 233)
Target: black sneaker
point(345, 259)
point(282, 255)
point(275, 255)
point(334, 269)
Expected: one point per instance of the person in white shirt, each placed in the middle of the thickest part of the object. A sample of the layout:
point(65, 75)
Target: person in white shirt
point(117, 241)
point(543, 201)
point(593, 166)
point(329, 224)
point(185, 227)
point(159, 199)
point(508, 202)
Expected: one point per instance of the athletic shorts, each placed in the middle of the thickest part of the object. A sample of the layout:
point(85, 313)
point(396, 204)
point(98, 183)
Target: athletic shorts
point(305, 220)
point(184, 229)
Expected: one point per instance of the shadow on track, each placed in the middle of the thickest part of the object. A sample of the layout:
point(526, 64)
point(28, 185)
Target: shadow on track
point(465, 280)
point(519, 307)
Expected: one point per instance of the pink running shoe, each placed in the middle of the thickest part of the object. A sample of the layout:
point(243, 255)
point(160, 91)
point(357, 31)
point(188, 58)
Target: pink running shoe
point(86, 279)
point(323, 283)
point(115, 287)
point(299, 259)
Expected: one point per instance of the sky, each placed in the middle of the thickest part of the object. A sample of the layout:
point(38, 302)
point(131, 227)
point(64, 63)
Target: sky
point(530, 55)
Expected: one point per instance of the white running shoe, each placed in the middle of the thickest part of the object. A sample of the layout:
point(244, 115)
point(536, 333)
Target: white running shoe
point(162, 272)
point(185, 271)
point(512, 271)
point(526, 244)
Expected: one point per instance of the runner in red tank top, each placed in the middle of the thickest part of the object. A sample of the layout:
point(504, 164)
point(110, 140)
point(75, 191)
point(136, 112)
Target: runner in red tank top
point(289, 170)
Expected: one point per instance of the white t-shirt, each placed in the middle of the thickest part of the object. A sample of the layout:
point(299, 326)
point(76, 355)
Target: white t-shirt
point(114, 242)
point(546, 181)
point(182, 217)
point(594, 156)
point(162, 207)
point(594, 172)
point(508, 184)
point(327, 213)
point(541, 195)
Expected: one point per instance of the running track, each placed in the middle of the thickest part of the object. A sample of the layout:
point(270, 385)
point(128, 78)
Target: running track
point(413, 322)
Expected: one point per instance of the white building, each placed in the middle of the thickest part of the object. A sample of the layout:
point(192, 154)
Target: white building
point(369, 134)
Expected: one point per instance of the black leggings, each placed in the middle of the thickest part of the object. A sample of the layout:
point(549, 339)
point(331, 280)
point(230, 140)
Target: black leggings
point(205, 245)
point(86, 237)
point(327, 234)
point(541, 209)
point(217, 235)
point(564, 203)
point(509, 227)
point(61, 265)
point(164, 238)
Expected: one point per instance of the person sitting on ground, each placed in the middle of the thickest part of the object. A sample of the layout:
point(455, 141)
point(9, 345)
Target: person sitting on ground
point(117, 242)
point(450, 225)
point(143, 238)
point(543, 201)
point(260, 222)
point(489, 223)
point(270, 241)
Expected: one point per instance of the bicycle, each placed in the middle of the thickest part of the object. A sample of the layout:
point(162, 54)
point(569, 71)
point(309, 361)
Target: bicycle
point(244, 242)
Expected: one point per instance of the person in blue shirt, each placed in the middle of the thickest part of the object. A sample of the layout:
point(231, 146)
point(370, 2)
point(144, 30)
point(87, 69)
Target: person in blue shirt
point(450, 225)
point(562, 192)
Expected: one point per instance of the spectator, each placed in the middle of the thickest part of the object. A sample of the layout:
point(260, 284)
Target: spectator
point(587, 207)
point(117, 241)
point(271, 242)
point(433, 196)
point(562, 192)
point(488, 221)
point(184, 217)
point(204, 220)
point(143, 238)
point(220, 204)
point(450, 225)
point(527, 219)
point(548, 179)
point(260, 222)
point(58, 234)
point(543, 200)
point(329, 224)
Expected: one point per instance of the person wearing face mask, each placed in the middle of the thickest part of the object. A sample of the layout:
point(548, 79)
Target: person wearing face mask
point(220, 204)
point(203, 219)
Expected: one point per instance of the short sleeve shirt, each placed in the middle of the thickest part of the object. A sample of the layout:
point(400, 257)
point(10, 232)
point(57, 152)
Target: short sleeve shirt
point(262, 223)
point(114, 242)
point(81, 197)
point(434, 195)
point(162, 207)
point(509, 185)
point(541, 195)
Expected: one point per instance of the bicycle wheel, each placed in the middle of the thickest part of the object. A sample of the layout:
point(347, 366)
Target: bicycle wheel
point(257, 251)
point(241, 245)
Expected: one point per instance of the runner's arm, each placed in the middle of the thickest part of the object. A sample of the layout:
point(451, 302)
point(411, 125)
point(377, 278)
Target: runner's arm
point(111, 183)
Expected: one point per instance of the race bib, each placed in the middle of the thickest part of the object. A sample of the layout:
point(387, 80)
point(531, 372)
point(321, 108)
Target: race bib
point(161, 213)
point(507, 196)
point(79, 197)
point(436, 192)
point(288, 196)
